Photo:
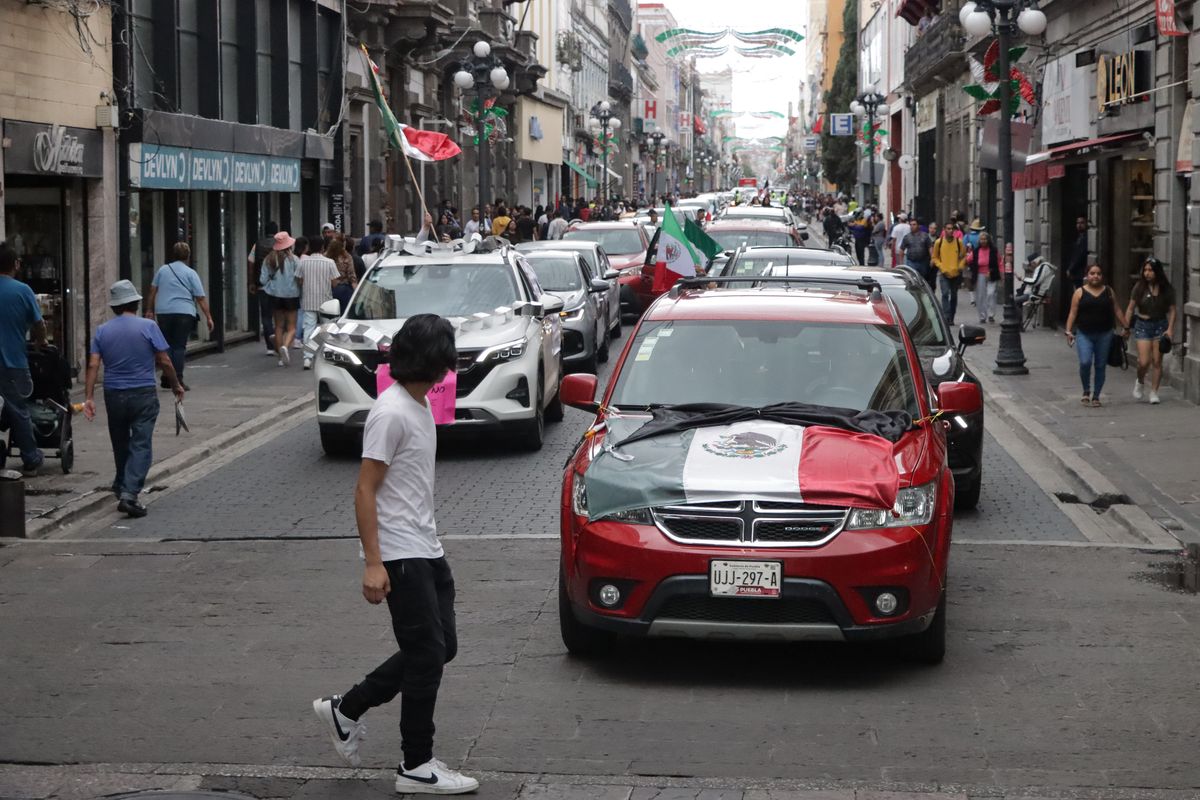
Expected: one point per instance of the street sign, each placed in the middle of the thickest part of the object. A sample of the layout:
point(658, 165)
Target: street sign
point(841, 124)
point(810, 144)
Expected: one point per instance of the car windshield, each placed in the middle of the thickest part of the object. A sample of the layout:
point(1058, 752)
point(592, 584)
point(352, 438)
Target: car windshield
point(615, 241)
point(732, 240)
point(759, 362)
point(557, 274)
point(398, 292)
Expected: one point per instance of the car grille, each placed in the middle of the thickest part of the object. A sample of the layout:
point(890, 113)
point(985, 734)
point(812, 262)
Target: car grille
point(470, 374)
point(781, 611)
point(750, 523)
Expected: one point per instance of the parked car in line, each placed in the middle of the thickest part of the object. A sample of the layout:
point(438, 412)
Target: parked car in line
point(792, 515)
point(508, 333)
point(775, 213)
point(748, 261)
point(585, 300)
point(599, 266)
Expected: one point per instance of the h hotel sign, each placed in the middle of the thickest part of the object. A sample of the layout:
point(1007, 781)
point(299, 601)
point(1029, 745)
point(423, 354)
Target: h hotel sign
point(1121, 78)
point(651, 109)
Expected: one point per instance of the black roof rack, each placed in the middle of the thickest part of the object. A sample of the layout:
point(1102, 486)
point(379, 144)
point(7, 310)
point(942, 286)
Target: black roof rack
point(864, 283)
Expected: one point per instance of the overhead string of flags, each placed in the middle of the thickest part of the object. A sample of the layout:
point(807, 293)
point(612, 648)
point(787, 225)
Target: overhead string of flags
point(766, 43)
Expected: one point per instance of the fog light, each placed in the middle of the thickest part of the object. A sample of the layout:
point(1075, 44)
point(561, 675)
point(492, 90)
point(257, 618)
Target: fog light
point(886, 603)
point(610, 595)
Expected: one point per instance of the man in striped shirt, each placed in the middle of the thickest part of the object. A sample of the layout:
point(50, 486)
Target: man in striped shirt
point(317, 275)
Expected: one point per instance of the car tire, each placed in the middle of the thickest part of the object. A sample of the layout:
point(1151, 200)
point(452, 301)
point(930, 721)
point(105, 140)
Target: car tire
point(966, 497)
point(554, 411)
point(929, 646)
point(580, 640)
point(628, 300)
point(531, 434)
point(615, 332)
point(338, 442)
point(602, 354)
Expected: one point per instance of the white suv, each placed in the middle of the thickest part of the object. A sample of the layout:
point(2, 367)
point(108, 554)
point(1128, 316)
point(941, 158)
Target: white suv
point(508, 333)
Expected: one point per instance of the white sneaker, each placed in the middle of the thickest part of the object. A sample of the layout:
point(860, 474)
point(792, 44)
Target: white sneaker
point(270, 351)
point(433, 777)
point(308, 363)
point(285, 356)
point(345, 733)
point(1154, 398)
point(1137, 390)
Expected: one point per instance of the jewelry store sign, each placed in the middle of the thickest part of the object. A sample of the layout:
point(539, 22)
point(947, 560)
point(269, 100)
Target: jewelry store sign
point(52, 150)
point(162, 167)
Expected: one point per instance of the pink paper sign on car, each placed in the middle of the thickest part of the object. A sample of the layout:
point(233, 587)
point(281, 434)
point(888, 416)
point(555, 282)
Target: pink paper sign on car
point(441, 398)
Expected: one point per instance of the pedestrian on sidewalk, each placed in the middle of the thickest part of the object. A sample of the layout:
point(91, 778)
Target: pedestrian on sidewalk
point(1152, 311)
point(405, 563)
point(299, 250)
point(175, 295)
point(984, 259)
point(1094, 315)
point(317, 275)
point(129, 347)
point(949, 256)
point(278, 278)
point(20, 315)
point(347, 279)
point(916, 248)
point(1077, 267)
point(254, 261)
point(899, 231)
point(879, 233)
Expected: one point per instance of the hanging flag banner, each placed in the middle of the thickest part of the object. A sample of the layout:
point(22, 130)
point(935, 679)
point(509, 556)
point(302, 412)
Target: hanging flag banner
point(1168, 24)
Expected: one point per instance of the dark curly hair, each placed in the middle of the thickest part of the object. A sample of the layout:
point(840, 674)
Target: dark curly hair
point(423, 350)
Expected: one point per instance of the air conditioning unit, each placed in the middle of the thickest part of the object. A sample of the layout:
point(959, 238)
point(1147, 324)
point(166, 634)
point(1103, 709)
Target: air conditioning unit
point(107, 117)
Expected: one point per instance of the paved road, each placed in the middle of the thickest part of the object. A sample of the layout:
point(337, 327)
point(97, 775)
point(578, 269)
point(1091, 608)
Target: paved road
point(1066, 673)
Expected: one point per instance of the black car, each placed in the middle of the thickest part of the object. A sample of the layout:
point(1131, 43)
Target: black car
point(941, 358)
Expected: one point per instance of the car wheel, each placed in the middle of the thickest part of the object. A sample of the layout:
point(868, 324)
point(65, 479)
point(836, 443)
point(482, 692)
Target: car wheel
point(602, 355)
point(929, 646)
point(616, 328)
point(337, 442)
point(532, 433)
point(554, 411)
point(629, 300)
point(580, 640)
point(966, 497)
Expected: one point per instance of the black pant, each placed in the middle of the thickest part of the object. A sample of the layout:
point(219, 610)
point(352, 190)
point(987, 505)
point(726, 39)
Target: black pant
point(860, 250)
point(421, 603)
point(266, 318)
point(177, 329)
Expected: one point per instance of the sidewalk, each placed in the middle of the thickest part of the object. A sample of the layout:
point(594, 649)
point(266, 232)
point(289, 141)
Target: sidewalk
point(1149, 453)
point(234, 394)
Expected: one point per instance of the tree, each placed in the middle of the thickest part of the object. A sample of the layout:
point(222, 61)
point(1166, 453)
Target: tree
point(839, 154)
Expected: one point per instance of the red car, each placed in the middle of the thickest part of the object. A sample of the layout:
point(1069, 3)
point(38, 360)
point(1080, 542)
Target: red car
point(626, 243)
point(767, 463)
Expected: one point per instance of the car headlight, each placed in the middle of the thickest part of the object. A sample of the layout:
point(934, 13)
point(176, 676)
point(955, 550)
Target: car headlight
point(914, 506)
point(503, 352)
point(340, 356)
point(574, 315)
point(579, 496)
point(636, 516)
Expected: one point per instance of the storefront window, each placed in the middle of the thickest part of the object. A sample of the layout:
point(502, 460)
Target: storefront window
point(1133, 218)
point(33, 219)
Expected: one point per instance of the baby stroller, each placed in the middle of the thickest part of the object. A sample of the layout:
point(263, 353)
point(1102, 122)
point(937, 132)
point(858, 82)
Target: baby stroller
point(1035, 293)
point(50, 406)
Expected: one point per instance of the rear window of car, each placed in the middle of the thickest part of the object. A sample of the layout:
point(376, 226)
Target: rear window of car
point(732, 240)
point(617, 241)
point(759, 362)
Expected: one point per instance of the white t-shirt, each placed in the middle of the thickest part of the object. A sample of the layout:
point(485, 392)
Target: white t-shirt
point(400, 433)
point(901, 230)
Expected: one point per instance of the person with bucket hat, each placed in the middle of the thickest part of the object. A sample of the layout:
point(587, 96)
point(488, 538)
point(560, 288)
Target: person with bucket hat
point(129, 347)
point(278, 279)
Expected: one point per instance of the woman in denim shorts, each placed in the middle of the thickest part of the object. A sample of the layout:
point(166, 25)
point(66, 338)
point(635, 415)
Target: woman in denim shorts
point(1152, 311)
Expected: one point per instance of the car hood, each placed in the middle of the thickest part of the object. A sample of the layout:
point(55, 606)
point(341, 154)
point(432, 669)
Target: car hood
point(478, 331)
point(571, 299)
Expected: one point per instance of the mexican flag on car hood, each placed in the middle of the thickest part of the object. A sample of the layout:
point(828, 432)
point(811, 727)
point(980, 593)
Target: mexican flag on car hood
point(675, 259)
point(751, 460)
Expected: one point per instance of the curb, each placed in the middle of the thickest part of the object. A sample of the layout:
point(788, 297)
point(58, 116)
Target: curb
point(1132, 518)
point(100, 501)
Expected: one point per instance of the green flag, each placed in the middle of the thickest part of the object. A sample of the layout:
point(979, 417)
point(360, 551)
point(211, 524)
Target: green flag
point(701, 240)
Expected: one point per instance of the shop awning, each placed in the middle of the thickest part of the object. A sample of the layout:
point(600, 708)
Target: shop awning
point(1183, 156)
point(590, 182)
point(911, 11)
point(1080, 148)
point(614, 175)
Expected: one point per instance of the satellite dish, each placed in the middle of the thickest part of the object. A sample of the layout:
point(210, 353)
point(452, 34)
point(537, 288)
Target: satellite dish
point(891, 154)
point(906, 161)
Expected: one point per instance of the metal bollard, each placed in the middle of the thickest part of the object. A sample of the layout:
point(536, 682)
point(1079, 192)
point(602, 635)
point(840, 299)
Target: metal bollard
point(12, 504)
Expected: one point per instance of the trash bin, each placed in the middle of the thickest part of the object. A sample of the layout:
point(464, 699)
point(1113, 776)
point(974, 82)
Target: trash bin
point(12, 504)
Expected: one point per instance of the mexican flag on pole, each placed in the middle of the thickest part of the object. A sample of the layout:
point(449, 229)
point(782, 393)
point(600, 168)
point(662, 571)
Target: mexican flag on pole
point(414, 142)
point(676, 257)
point(701, 240)
point(753, 460)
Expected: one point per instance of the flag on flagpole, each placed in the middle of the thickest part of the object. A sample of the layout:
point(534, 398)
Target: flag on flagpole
point(416, 143)
point(819, 125)
point(701, 240)
point(675, 258)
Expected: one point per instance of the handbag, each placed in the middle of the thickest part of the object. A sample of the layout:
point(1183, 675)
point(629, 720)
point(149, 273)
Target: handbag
point(1164, 344)
point(1117, 357)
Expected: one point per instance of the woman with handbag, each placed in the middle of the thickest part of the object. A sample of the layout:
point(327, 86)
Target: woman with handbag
point(278, 279)
point(984, 261)
point(1152, 311)
point(174, 297)
point(1094, 315)
point(347, 280)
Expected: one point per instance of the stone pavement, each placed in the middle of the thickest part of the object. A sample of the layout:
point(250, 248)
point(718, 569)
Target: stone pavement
point(234, 394)
point(1149, 453)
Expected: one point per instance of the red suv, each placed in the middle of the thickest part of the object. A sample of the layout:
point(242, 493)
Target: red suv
point(767, 463)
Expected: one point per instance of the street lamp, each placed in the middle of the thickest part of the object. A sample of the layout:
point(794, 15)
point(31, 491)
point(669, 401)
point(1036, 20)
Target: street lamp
point(985, 17)
point(487, 75)
point(657, 139)
point(867, 103)
point(603, 118)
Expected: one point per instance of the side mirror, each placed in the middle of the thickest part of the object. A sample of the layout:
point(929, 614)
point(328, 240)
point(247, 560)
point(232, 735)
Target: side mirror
point(331, 309)
point(959, 398)
point(552, 305)
point(611, 274)
point(578, 390)
point(969, 335)
point(598, 286)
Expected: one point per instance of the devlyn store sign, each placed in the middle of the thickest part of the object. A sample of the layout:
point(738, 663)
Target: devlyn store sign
point(161, 167)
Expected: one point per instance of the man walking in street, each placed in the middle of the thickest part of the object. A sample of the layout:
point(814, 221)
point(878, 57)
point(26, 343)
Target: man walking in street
point(1078, 266)
point(900, 230)
point(266, 315)
point(405, 563)
point(317, 276)
point(19, 315)
point(950, 258)
point(558, 226)
point(915, 247)
point(129, 347)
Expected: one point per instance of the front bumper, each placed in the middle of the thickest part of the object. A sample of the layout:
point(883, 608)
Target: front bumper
point(964, 446)
point(825, 595)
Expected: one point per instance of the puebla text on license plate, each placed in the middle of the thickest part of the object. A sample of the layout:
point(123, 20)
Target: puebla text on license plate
point(745, 578)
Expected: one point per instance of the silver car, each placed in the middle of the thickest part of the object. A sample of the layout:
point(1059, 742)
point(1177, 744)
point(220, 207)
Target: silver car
point(595, 258)
point(585, 306)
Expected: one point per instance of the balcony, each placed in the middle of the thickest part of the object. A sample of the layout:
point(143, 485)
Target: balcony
point(622, 10)
point(620, 81)
point(637, 46)
point(935, 54)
